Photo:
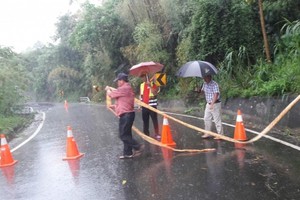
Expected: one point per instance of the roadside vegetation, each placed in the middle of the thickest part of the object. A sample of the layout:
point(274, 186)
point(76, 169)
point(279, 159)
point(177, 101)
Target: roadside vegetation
point(254, 44)
point(13, 124)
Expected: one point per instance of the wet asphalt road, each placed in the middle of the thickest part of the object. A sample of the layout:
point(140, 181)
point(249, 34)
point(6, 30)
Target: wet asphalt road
point(263, 170)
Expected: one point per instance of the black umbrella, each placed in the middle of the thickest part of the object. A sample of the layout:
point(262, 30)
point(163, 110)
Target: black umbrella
point(197, 68)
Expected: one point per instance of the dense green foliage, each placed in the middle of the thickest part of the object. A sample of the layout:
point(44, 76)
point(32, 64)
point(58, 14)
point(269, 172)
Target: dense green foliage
point(14, 81)
point(230, 25)
point(281, 77)
point(100, 41)
point(14, 78)
point(11, 124)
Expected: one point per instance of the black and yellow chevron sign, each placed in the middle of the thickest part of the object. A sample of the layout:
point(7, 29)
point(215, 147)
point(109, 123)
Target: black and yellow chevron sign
point(160, 79)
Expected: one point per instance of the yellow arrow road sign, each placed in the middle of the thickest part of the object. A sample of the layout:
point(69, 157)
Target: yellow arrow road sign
point(160, 79)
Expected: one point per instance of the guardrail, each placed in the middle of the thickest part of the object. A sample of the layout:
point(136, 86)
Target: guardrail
point(22, 110)
point(84, 99)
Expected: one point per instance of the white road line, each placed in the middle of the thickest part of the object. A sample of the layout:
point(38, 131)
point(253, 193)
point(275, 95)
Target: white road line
point(249, 130)
point(33, 135)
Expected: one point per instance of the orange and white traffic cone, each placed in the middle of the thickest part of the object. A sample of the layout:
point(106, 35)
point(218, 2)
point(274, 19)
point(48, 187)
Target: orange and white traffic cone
point(66, 105)
point(6, 158)
point(239, 131)
point(72, 150)
point(166, 135)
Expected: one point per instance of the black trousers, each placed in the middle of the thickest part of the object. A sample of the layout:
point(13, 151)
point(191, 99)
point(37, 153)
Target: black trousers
point(125, 133)
point(146, 114)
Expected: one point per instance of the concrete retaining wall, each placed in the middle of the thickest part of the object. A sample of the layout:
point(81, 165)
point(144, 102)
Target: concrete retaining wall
point(259, 110)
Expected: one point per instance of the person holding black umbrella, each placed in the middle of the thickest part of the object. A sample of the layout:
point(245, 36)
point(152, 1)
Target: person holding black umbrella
point(205, 70)
point(213, 106)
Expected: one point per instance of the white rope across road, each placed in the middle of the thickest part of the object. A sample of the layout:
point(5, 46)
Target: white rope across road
point(246, 129)
point(276, 120)
point(260, 135)
point(223, 137)
point(157, 143)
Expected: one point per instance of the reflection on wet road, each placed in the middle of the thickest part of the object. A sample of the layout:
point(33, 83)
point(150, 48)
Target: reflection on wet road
point(262, 170)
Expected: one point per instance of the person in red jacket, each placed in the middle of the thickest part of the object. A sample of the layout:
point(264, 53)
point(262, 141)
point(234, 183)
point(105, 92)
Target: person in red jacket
point(124, 108)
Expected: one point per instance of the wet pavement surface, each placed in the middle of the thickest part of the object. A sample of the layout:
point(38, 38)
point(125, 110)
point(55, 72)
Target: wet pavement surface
point(262, 170)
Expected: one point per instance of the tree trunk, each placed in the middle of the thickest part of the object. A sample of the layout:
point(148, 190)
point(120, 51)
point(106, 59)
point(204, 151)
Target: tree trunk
point(263, 29)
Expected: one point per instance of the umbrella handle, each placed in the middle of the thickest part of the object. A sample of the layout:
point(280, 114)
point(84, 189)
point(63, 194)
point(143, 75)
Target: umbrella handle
point(148, 80)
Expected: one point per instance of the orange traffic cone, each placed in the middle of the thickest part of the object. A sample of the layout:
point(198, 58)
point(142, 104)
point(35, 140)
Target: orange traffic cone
point(72, 150)
point(166, 136)
point(6, 157)
point(66, 105)
point(239, 131)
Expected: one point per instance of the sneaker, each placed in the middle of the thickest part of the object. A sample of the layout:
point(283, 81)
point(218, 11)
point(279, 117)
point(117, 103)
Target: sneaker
point(126, 156)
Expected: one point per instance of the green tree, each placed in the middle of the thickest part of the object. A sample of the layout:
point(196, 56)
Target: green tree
point(98, 42)
point(64, 79)
point(219, 26)
point(99, 35)
point(149, 43)
point(13, 80)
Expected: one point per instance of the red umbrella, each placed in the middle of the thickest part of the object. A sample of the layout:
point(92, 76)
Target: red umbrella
point(145, 68)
